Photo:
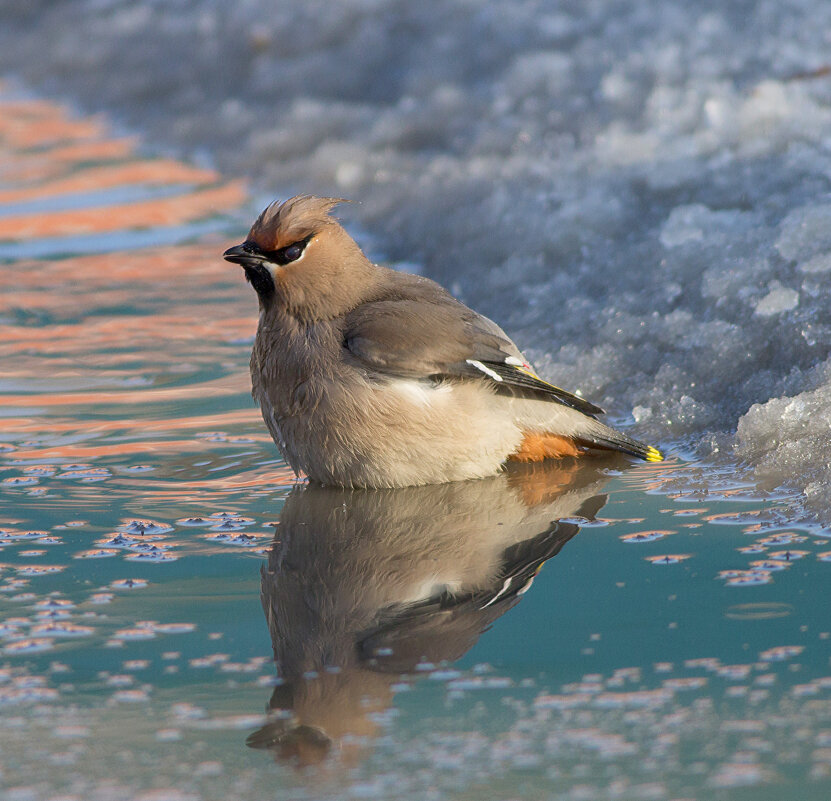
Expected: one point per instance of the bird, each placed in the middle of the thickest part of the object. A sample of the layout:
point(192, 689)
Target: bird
point(368, 377)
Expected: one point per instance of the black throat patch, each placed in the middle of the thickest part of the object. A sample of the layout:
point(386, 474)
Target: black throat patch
point(259, 276)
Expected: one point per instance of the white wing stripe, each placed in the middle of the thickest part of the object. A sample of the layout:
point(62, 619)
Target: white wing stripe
point(486, 370)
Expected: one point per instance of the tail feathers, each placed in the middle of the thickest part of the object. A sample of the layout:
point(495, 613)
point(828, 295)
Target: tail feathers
point(605, 438)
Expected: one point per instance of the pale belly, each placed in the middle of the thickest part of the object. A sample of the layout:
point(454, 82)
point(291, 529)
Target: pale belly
point(399, 433)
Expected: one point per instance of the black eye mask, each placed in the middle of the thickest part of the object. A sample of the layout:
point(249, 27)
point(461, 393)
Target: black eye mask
point(287, 254)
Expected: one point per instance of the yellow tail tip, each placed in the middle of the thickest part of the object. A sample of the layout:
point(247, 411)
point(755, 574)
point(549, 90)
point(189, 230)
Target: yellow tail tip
point(654, 455)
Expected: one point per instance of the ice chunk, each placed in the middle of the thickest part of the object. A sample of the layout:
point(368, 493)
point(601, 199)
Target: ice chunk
point(696, 222)
point(787, 437)
point(821, 263)
point(805, 232)
point(778, 299)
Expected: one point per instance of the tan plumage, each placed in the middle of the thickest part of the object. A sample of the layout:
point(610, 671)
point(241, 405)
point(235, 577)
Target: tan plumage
point(367, 377)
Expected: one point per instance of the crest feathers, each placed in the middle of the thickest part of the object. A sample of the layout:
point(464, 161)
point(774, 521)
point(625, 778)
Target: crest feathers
point(292, 220)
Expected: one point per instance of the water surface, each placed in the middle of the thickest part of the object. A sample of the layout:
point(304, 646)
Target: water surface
point(573, 631)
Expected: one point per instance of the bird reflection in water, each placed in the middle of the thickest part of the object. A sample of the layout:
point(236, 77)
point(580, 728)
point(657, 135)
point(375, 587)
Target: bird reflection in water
point(362, 586)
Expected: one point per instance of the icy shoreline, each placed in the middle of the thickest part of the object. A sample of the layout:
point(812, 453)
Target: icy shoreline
point(638, 191)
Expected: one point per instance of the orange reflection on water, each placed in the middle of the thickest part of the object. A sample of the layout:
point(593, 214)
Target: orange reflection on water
point(113, 356)
point(131, 332)
point(181, 265)
point(143, 214)
point(28, 124)
point(215, 421)
point(226, 385)
point(95, 179)
point(23, 167)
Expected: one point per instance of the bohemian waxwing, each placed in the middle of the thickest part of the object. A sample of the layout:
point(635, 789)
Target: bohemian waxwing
point(367, 377)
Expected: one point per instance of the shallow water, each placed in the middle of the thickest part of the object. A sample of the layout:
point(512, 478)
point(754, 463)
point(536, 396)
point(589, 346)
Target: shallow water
point(673, 644)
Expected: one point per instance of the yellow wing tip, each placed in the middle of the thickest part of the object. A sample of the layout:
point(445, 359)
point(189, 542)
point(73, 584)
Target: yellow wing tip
point(654, 455)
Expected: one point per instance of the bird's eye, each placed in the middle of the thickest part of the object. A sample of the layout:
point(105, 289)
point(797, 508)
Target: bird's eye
point(289, 253)
point(293, 252)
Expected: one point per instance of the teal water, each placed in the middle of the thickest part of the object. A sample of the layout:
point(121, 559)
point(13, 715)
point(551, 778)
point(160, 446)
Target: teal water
point(577, 632)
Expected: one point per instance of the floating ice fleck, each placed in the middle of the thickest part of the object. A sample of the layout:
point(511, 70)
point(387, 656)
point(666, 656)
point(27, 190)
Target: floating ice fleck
point(785, 538)
point(739, 775)
point(668, 559)
point(54, 614)
point(143, 527)
point(148, 547)
point(23, 597)
point(21, 481)
point(195, 521)
point(39, 570)
point(769, 565)
point(130, 696)
point(156, 556)
point(185, 711)
point(752, 549)
point(25, 535)
point(129, 584)
point(119, 680)
point(131, 543)
point(786, 556)
point(567, 701)
point(734, 672)
point(634, 699)
point(86, 473)
point(174, 628)
point(168, 735)
point(760, 517)
point(781, 653)
point(750, 578)
point(40, 470)
point(28, 646)
point(688, 683)
point(54, 603)
point(27, 695)
point(61, 629)
point(96, 553)
point(243, 540)
point(139, 633)
point(229, 524)
point(645, 536)
point(706, 663)
point(805, 690)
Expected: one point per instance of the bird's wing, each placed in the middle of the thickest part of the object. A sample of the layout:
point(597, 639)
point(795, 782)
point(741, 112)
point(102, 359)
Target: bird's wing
point(438, 337)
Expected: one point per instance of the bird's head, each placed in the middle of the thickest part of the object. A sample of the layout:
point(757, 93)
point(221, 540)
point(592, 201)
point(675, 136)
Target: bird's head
point(300, 259)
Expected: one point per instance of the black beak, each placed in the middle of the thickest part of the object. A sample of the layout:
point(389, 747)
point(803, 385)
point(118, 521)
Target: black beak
point(244, 254)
